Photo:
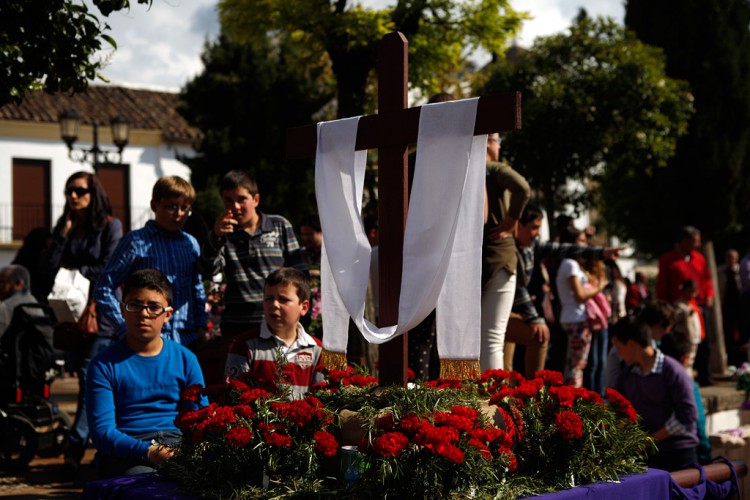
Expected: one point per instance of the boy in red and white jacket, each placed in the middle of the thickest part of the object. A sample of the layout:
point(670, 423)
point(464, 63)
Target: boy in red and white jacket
point(281, 337)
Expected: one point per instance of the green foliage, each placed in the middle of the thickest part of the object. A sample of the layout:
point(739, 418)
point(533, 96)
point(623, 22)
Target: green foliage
point(707, 44)
point(242, 103)
point(441, 34)
point(51, 45)
point(596, 105)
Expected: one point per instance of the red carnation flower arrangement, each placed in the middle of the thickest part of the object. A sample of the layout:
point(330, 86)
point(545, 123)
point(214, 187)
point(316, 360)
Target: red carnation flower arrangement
point(559, 432)
point(248, 427)
point(440, 449)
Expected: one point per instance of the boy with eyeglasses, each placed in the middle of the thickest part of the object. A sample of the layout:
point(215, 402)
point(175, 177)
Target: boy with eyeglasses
point(162, 245)
point(133, 387)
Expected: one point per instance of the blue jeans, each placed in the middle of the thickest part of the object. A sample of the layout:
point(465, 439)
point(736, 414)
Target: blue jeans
point(596, 368)
point(114, 467)
point(79, 434)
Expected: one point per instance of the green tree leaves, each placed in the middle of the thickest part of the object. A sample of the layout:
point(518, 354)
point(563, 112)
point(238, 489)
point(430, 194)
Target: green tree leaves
point(597, 105)
point(51, 45)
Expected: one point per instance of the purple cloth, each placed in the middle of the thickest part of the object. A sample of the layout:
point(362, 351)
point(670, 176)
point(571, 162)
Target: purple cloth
point(137, 487)
point(654, 484)
point(708, 490)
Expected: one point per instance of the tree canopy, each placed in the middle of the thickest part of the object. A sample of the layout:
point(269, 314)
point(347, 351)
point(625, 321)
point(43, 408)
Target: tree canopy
point(597, 107)
point(343, 34)
point(52, 45)
point(242, 102)
point(706, 183)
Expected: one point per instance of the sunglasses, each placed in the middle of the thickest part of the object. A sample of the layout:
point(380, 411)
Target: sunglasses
point(79, 191)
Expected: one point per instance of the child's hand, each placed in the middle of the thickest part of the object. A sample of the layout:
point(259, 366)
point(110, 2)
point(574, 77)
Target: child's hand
point(225, 224)
point(158, 453)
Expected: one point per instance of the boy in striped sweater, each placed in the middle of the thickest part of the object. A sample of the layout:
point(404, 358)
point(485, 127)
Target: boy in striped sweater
point(280, 339)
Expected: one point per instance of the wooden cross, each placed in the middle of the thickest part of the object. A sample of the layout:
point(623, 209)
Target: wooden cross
point(391, 131)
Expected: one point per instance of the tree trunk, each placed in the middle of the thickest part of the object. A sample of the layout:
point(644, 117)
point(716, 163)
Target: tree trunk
point(718, 349)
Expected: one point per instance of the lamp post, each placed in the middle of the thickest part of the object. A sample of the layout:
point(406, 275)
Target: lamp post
point(70, 123)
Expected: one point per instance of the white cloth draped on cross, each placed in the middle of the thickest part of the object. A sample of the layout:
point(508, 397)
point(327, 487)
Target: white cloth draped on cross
point(442, 241)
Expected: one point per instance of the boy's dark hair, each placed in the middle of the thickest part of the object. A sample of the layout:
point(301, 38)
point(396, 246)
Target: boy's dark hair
point(150, 279)
point(676, 345)
point(172, 186)
point(441, 97)
point(312, 221)
point(238, 178)
point(569, 234)
point(630, 328)
point(291, 276)
point(658, 312)
point(530, 213)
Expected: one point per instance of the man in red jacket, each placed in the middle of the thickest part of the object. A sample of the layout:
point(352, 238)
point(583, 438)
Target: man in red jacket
point(678, 265)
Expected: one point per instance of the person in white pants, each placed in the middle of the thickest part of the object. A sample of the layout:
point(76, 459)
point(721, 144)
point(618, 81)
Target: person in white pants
point(506, 194)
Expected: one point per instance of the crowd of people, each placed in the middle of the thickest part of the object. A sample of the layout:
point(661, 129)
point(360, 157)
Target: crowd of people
point(561, 305)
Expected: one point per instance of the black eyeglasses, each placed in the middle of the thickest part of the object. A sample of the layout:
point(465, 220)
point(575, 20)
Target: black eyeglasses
point(79, 191)
point(152, 309)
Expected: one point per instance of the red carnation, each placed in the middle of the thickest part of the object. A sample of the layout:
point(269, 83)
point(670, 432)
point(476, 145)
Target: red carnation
point(359, 380)
point(390, 444)
point(450, 452)
point(550, 377)
point(444, 383)
point(188, 420)
point(272, 434)
point(564, 395)
point(465, 411)
point(244, 412)
point(449, 419)
point(569, 425)
point(239, 436)
point(410, 423)
point(386, 422)
point(221, 418)
point(192, 393)
point(482, 448)
point(236, 385)
point(528, 389)
point(622, 405)
point(253, 394)
point(325, 443)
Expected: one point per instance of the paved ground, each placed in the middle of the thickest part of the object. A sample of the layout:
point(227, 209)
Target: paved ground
point(43, 478)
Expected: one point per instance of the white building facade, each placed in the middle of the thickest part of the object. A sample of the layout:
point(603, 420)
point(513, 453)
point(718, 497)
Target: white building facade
point(35, 163)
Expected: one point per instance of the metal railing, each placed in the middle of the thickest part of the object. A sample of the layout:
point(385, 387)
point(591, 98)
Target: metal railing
point(17, 219)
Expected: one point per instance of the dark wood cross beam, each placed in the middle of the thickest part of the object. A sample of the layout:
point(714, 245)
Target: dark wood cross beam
point(391, 131)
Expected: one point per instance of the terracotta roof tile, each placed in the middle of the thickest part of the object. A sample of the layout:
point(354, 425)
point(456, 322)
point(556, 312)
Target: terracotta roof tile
point(146, 109)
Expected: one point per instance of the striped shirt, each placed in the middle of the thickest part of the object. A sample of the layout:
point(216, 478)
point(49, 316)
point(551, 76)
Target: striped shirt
point(246, 259)
point(174, 254)
point(259, 350)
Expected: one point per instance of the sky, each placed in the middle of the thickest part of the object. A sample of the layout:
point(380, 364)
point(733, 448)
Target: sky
point(160, 47)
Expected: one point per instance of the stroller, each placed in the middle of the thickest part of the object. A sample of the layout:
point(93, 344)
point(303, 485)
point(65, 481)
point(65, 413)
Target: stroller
point(30, 424)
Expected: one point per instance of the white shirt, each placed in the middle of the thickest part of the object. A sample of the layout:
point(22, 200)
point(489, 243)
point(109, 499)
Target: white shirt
point(572, 311)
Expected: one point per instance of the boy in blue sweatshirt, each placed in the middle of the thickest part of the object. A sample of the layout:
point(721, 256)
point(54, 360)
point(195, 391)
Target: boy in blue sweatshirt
point(133, 387)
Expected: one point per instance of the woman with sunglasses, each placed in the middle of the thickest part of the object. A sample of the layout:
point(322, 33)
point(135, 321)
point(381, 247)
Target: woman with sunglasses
point(84, 237)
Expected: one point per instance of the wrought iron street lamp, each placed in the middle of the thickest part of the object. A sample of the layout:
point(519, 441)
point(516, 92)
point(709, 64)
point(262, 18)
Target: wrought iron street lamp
point(70, 123)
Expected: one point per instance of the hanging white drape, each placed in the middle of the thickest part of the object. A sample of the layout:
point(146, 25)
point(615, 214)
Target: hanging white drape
point(442, 241)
